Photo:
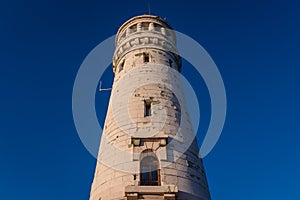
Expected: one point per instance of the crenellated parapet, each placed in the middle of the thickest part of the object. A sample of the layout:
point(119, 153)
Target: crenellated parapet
point(144, 32)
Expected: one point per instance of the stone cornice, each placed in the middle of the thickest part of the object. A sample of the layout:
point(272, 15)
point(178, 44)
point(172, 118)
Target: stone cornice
point(145, 39)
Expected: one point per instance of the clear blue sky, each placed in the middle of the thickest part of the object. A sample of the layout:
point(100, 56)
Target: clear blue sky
point(254, 43)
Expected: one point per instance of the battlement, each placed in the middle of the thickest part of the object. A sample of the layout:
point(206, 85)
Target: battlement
point(145, 32)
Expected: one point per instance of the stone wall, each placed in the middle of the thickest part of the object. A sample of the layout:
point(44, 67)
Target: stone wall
point(147, 113)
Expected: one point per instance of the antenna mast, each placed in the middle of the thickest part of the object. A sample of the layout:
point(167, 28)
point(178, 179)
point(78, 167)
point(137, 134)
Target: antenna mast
point(149, 7)
point(103, 89)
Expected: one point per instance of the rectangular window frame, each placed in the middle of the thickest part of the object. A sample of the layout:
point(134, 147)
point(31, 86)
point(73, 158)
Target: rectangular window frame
point(146, 57)
point(148, 108)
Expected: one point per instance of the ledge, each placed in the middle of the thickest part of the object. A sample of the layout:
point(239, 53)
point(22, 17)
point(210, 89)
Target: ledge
point(158, 190)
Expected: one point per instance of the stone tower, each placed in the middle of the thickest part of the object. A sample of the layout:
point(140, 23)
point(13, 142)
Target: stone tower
point(148, 148)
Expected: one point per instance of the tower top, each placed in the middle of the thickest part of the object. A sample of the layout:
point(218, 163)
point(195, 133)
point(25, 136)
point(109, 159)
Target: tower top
point(138, 18)
point(145, 31)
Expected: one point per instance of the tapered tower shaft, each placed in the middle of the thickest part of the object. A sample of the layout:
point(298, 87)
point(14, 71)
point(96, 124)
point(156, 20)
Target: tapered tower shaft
point(148, 148)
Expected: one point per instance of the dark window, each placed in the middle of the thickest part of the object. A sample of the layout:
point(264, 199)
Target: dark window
point(121, 66)
point(146, 57)
point(149, 171)
point(147, 108)
point(134, 28)
point(145, 25)
point(170, 63)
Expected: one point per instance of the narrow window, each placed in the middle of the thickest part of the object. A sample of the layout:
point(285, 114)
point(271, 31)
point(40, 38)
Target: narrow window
point(170, 63)
point(121, 66)
point(147, 108)
point(146, 57)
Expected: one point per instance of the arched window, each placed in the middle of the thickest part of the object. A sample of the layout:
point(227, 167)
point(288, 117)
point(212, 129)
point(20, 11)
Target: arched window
point(150, 170)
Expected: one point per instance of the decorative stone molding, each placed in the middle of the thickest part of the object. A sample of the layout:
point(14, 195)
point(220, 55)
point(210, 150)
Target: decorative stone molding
point(166, 192)
point(150, 19)
point(145, 40)
point(158, 145)
point(145, 32)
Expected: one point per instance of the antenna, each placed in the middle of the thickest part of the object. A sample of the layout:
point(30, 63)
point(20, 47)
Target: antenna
point(103, 89)
point(149, 7)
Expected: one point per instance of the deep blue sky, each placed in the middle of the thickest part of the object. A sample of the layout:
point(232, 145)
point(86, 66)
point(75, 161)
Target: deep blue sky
point(254, 43)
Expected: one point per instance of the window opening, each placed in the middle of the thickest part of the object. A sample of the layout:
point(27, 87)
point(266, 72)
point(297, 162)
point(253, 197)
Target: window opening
point(147, 108)
point(121, 66)
point(149, 171)
point(146, 58)
point(170, 63)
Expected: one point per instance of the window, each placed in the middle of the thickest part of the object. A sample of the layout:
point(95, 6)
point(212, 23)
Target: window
point(133, 28)
point(145, 25)
point(149, 170)
point(147, 108)
point(146, 57)
point(170, 63)
point(121, 66)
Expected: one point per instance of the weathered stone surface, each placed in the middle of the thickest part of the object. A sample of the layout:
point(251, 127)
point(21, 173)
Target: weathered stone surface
point(147, 115)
